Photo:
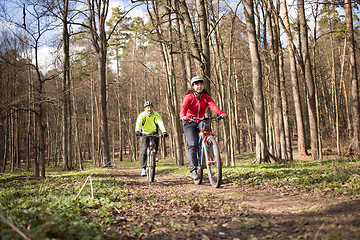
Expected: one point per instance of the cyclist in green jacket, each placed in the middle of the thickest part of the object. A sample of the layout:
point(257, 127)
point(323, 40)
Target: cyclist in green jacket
point(148, 122)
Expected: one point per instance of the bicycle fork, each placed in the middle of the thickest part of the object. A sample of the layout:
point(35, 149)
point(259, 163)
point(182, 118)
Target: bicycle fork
point(205, 151)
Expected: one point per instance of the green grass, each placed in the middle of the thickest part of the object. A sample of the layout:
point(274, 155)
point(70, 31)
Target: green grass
point(47, 208)
point(335, 175)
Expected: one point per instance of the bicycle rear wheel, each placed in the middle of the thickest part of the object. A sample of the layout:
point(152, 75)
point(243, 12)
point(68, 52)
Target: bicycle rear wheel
point(150, 168)
point(213, 162)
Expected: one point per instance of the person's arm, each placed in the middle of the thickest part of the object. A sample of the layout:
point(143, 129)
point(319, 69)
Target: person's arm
point(212, 105)
point(159, 122)
point(184, 107)
point(139, 121)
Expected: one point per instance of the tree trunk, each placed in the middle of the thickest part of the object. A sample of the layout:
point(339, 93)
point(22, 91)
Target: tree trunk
point(205, 47)
point(119, 108)
point(309, 81)
point(279, 135)
point(196, 52)
point(262, 154)
point(77, 144)
point(342, 83)
point(93, 145)
point(295, 84)
point(97, 18)
point(224, 96)
point(354, 78)
point(102, 76)
point(184, 58)
point(66, 91)
point(287, 129)
point(172, 97)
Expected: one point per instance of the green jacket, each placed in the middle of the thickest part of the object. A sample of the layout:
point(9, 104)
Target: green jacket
point(149, 124)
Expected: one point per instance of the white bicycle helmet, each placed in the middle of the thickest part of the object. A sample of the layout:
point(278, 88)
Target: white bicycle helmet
point(196, 79)
point(148, 103)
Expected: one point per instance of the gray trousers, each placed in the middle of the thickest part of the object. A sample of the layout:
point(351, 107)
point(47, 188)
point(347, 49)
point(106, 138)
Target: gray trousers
point(144, 142)
point(191, 131)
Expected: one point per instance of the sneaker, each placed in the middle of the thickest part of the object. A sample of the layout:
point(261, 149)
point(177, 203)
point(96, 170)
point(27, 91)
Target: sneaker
point(143, 172)
point(194, 175)
point(156, 159)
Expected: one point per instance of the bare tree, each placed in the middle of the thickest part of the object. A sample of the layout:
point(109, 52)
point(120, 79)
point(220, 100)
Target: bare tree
point(294, 82)
point(172, 98)
point(310, 86)
point(199, 51)
point(204, 36)
point(36, 22)
point(262, 153)
point(98, 11)
point(67, 140)
point(354, 77)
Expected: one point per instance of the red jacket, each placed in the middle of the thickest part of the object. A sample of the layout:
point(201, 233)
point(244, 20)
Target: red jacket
point(193, 106)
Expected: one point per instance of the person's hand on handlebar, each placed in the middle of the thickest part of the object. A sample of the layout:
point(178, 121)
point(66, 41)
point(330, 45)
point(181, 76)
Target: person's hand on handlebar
point(184, 118)
point(137, 133)
point(165, 135)
point(223, 115)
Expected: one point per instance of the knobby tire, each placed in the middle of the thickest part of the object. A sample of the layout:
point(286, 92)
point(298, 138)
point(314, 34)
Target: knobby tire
point(214, 166)
point(151, 167)
point(200, 174)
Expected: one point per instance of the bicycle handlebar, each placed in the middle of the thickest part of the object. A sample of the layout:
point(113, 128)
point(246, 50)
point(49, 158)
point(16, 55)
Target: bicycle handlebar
point(216, 117)
point(151, 135)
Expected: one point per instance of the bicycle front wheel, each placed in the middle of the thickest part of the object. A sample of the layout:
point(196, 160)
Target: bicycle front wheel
point(213, 162)
point(151, 167)
point(199, 171)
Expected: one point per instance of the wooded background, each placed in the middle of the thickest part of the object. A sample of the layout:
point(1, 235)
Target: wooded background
point(288, 83)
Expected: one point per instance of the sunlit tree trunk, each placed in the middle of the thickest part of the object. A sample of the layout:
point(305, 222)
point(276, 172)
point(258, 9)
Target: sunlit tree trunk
point(205, 47)
point(354, 77)
point(295, 84)
point(198, 53)
point(318, 114)
point(93, 145)
point(279, 148)
point(119, 111)
point(309, 81)
point(287, 129)
point(167, 49)
point(224, 96)
point(185, 58)
point(262, 154)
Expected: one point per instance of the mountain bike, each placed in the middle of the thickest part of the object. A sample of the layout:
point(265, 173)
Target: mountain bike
point(151, 156)
point(209, 154)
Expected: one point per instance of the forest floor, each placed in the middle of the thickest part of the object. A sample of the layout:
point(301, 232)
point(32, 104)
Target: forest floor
point(173, 207)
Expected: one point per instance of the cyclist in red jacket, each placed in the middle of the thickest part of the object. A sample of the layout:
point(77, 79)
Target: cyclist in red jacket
point(195, 103)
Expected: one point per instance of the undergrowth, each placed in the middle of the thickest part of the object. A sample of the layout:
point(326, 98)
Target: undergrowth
point(333, 176)
point(48, 208)
point(341, 176)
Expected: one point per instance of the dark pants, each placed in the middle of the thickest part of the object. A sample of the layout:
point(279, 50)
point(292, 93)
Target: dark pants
point(191, 131)
point(144, 142)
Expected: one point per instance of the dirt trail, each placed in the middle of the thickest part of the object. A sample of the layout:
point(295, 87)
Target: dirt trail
point(173, 207)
